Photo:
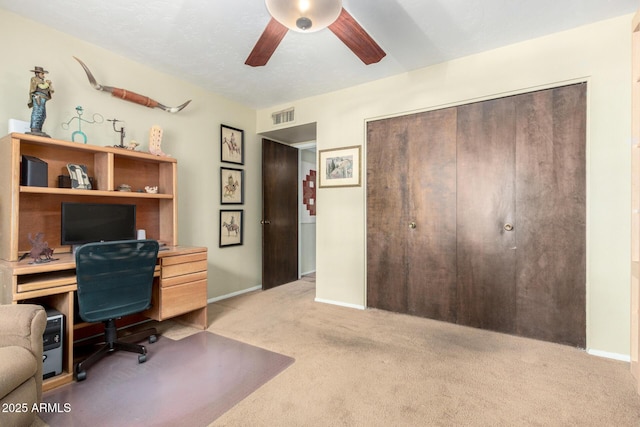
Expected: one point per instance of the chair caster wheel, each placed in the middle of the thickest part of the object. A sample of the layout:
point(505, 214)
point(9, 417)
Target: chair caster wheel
point(152, 339)
point(142, 358)
point(81, 375)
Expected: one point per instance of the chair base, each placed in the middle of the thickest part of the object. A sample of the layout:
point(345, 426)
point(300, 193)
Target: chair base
point(112, 343)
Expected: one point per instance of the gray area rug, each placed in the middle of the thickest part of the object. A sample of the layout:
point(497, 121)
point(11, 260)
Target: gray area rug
point(188, 382)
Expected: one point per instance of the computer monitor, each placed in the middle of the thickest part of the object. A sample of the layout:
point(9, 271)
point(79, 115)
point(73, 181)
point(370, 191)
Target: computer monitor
point(96, 222)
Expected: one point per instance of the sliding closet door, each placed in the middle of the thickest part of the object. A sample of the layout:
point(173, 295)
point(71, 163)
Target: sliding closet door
point(411, 210)
point(486, 215)
point(431, 288)
point(476, 214)
point(550, 196)
point(387, 217)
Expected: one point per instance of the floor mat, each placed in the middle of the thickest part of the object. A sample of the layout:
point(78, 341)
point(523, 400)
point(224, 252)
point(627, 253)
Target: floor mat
point(191, 382)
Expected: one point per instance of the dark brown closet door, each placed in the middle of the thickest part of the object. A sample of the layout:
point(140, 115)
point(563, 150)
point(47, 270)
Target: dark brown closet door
point(486, 215)
point(411, 210)
point(551, 224)
point(500, 233)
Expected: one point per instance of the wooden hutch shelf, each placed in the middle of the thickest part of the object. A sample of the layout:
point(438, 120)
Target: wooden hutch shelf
point(180, 286)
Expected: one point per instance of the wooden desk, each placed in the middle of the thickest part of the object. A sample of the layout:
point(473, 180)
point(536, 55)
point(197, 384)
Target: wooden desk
point(180, 292)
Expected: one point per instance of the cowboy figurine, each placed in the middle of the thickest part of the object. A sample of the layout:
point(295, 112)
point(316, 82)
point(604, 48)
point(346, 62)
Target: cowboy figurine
point(40, 92)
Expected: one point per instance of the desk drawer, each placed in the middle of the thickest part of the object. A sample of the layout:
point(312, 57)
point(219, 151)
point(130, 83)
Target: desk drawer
point(184, 278)
point(182, 259)
point(186, 268)
point(181, 299)
point(50, 283)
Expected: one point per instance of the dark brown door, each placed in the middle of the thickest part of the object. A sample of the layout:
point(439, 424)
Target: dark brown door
point(279, 214)
point(411, 236)
point(551, 215)
point(486, 213)
point(516, 174)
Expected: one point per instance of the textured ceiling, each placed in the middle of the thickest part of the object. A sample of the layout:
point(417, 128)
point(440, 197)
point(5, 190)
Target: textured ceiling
point(207, 41)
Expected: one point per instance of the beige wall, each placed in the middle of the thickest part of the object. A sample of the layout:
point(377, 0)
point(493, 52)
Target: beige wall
point(192, 136)
point(598, 54)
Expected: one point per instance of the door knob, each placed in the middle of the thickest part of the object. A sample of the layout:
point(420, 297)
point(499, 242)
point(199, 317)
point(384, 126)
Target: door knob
point(265, 221)
point(508, 227)
point(412, 225)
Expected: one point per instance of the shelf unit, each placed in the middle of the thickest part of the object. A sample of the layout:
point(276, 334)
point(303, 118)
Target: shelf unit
point(37, 209)
point(180, 287)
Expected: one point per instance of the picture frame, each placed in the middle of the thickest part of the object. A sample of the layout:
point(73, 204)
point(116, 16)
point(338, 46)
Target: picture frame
point(231, 227)
point(231, 145)
point(79, 178)
point(231, 186)
point(340, 167)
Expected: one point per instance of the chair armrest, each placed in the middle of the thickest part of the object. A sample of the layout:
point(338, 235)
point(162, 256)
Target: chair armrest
point(23, 325)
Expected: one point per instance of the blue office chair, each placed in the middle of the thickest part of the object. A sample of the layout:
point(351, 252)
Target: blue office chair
point(114, 280)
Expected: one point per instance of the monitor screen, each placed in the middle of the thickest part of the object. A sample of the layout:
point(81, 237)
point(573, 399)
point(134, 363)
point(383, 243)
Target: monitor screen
point(96, 222)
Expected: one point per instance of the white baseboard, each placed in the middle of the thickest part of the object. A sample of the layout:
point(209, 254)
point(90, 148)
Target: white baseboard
point(609, 355)
point(234, 294)
point(342, 304)
point(307, 272)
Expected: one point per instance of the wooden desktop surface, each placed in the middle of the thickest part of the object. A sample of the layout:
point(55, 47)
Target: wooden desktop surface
point(66, 260)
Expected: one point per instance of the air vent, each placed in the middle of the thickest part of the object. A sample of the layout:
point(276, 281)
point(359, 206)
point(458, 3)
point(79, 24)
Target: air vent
point(284, 116)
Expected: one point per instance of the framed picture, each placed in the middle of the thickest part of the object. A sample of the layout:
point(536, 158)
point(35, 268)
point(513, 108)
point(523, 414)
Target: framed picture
point(339, 167)
point(231, 145)
point(231, 227)
point(79, 177)
point(231, 186)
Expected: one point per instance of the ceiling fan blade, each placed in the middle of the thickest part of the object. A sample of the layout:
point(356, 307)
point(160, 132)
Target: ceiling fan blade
point(356, 38)
point(266, 44)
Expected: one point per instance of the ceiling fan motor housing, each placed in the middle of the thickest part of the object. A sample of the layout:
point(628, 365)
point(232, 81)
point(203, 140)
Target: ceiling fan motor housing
point(304, 23)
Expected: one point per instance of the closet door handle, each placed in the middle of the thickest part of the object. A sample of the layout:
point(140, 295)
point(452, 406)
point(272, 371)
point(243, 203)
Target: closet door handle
point(412, 225)
point(508, 227)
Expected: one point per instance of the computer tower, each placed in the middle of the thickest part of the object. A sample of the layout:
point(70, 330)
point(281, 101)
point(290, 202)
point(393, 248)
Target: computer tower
point(34, 172)
point(52, 341)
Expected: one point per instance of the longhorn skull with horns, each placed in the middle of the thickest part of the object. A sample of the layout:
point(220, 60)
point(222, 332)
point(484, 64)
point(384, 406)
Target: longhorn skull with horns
point(128, 95)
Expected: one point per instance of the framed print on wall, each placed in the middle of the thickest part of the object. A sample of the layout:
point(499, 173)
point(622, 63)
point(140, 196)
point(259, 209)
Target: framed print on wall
point(231, 145)
point(339, 167)
point(231, 186)
point(231, 227)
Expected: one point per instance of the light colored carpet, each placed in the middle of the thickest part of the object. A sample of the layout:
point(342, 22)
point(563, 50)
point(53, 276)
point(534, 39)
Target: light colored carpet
point(375, 368)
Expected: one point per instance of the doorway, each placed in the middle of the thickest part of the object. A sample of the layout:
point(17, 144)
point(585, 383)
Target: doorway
point(297, 150)
point(307, 208)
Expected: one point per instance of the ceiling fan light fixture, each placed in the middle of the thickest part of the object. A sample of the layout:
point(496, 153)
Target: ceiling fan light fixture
point(305, 15)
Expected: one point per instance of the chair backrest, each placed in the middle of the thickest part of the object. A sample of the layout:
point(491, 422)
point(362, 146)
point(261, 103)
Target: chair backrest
point(115, 278)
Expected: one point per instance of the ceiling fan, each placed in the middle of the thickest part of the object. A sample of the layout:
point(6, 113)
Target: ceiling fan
point(310, 16)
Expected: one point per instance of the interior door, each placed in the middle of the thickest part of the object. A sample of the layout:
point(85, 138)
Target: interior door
point(411, 211)
point(551, 216)
point(279, 214)
point(486, 215)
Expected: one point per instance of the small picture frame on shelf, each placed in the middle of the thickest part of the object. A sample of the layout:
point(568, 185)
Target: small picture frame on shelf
point(231, 227)
point(79, 177)
point(231, 145)
point(231, 186)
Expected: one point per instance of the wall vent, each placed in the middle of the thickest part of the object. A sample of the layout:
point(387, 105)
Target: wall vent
point(284, 116)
